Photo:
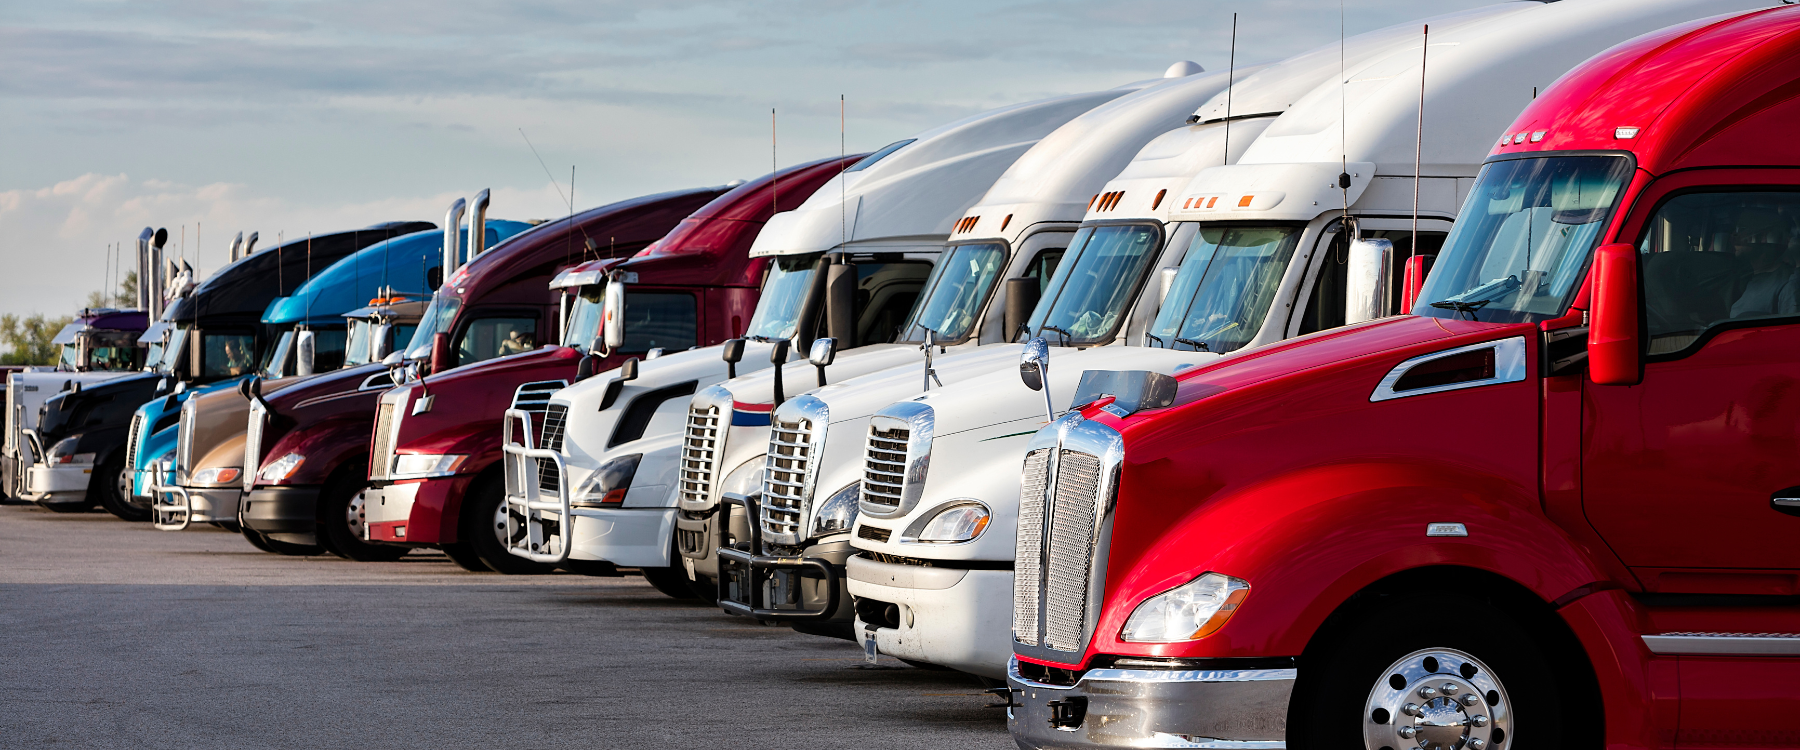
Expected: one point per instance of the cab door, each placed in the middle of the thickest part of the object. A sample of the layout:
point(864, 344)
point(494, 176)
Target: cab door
point(1681, 473)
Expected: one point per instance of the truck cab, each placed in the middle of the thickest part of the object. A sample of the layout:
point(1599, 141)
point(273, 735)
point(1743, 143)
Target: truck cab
point(1566, 462)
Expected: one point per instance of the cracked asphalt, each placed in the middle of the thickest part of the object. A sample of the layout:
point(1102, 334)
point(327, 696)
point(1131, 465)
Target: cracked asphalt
point(121, 636)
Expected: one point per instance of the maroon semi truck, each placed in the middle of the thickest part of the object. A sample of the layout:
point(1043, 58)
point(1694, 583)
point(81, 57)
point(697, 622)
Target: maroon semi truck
point(310, 443)
point(436, 478)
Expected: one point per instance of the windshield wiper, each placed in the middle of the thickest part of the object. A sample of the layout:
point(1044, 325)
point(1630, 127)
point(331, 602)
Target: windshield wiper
point(1199, 346)
point(1462, 307)
point(1065, 335)
point(1157, 339)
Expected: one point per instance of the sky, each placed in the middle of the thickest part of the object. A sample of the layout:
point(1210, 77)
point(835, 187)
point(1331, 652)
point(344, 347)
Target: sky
point(210, 117)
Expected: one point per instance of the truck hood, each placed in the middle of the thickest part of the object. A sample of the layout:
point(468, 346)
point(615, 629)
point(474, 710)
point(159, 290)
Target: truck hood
point(860, 397)
point(758, 390)
point(323, 385)
point(1000, 396)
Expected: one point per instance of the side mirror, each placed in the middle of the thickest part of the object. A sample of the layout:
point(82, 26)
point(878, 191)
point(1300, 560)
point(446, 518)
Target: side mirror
point(612, 321)
point(303, 353)
point(778, 356)
point(1367, 288)
point(824, 352)
point(440, 353)
point(393, 358)
point(1034, 369)
point(1021, 298)
point(1615, 339)
point(1166, 281)
point(653, 353)
point(732, 352)
point(587, 367)
point(378, 340)
point(1417, 268)
point(243, 388)
point(628, 371)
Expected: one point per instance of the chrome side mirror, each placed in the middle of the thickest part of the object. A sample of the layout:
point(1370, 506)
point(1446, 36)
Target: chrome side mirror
point(1034, 369)
point(393, 358)
point(1366, 293)
point(612, 322)
point(1165, 281)
point(824, 352)
point(303, 353)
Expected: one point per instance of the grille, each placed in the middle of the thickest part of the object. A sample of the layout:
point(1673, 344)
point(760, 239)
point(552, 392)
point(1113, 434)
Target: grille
point(884, 474)
point(556, 418)
point(1070, 552)
point(690, 541)
point(784, 485)
point(381, 458)
point(535, 397)
point(131, 441)
point(1030, 546)
point(14, 412)
point(875, 533)
point(699, 451)
point(253, 437)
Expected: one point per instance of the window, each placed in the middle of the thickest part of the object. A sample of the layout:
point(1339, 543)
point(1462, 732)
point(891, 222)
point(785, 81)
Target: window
point(785, 289)
point(885, 293)
point(586, 306)
point(1224, 289)
point(437, 319)
point(1713, 258)
point(356, 345)
point(487, 338)
point(1043, 267)
point(225, 355)
point(1086, 298)
point(660, 320)
point(328, 350)
point(1325, 305)
point(960, 285)
point(869, 161)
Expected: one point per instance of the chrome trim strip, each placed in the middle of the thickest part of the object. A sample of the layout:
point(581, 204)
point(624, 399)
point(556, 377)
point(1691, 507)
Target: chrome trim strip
point(1509, 367)
point(1765, 644)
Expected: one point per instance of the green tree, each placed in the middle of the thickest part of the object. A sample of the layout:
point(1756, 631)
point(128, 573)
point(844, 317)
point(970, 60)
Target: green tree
point(29, 339)
point(124, 298)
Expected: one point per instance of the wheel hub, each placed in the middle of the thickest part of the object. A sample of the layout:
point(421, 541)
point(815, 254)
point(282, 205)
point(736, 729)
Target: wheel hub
point(353, 514)
point(1437, 699)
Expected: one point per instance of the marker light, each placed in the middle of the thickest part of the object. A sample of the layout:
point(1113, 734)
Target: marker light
point(1188, 612)
point(1538, 135)
point(1625, 133)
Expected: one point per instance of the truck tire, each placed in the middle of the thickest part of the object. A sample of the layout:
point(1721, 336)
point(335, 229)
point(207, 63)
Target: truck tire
point(464, 556)
point(341, 522)
point(1400, 678)
point(673, 581)
point(75, 507)
point(482, 525)
point(115, 496)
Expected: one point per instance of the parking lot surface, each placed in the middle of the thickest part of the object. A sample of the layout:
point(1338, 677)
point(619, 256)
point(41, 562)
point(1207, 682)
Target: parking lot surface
point(118, 635)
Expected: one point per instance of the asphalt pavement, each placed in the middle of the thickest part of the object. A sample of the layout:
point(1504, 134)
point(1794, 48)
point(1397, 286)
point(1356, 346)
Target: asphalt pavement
point(121, 636)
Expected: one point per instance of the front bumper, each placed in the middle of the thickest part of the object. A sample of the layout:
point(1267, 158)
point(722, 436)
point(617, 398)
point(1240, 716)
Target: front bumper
point(176, 507)
point(626, 537)
point(699, 535)
point(54, 484)
point(953, 617)
point(1210, 708)
point(283, 513)
point(808, 588)
point(415, 511)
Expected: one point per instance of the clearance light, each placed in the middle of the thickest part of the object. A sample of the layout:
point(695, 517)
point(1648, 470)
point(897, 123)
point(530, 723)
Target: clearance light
point(1213, 202)
point(1005, 221)
point(1188, 612)
point(1625, 134)
point(1538, 136)
point(1158, 200)
point(1244, 202)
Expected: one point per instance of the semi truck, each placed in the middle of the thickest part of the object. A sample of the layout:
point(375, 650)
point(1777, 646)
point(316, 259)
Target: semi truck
point(1551, 503)
point(846, 266)
point(1311, 229)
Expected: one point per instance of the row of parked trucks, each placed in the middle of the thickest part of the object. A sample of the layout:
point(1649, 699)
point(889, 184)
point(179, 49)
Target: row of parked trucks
point(1273, 407)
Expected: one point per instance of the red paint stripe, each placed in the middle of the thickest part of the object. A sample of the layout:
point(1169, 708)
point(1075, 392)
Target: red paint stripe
point(741, 406)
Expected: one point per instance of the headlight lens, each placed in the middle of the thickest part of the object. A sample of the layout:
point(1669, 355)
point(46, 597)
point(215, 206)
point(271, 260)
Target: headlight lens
point(608, 484)
point(216, 475)
point(1188, 612)
point(281, 468)
point(64, 453)
point(417, 465)
point(839, 511)
point(956, 522)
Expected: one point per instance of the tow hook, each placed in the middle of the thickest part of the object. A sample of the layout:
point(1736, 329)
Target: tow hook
point(1005, 694)
point(1067, 714)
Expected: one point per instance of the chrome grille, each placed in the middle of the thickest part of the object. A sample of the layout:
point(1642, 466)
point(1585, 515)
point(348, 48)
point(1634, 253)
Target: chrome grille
point(535, 397)
point(253, 437)
point(381, 457)
point(699, 452)
point(15, 413)
point(790, 456)
point(556, 418)
point(884, 471)
point(1026, 567)
point(1069, 552)
point(131, 440)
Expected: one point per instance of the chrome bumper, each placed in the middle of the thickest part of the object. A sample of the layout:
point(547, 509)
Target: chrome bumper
point(1237, 708)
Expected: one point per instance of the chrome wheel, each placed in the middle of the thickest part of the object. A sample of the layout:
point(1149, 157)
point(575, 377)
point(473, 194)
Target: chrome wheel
point(123, 484)
point(353, 515)
point(1438, 699)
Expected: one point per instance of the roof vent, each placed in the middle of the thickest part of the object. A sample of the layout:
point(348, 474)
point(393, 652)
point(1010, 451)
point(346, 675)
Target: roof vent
point(1183, 68)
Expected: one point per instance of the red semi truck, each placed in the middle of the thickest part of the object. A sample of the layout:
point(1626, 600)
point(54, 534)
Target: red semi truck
point(435, 477)
point(1557, 501)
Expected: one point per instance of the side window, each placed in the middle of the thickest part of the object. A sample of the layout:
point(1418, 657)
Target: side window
point(885, 293)
point(227, 355)
point(666, 320)
point(401, 333)
point(487, 338)
point(1713, 258)
point(328, 350)
point(1325, 305)
point(1044, 266)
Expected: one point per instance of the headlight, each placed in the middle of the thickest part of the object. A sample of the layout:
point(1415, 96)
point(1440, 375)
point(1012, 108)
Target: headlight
point(838, 513)
point(280, 468)
point(1188, 612)
point(416, 466)
point(217, 475)
point(608, 484)
point(64, 453)
point(956, 522)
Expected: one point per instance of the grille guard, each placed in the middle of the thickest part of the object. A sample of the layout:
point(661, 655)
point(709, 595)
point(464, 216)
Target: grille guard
point(525, 503)
point(168, 514)
point(750, 571)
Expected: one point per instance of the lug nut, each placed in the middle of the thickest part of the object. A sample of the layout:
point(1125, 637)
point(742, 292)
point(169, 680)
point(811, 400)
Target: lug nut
point(1410, 709)
point(1478, 720)
point(1449, 688)
point(1477, 743)
point(1408, 732)
point(1470, 699)
point(1428, 692)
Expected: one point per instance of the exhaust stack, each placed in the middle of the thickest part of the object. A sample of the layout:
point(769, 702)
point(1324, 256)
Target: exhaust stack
point(478, 225)
point(143, 273)
point(250, 244)
point(237, 245)
point(452, 238)
point(155, 280)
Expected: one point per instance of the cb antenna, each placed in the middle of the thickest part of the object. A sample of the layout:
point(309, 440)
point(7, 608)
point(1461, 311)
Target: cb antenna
point(1230, 82)
point(843, 187)
point(1419, 138)
point(774, 167)
point(1344, 135)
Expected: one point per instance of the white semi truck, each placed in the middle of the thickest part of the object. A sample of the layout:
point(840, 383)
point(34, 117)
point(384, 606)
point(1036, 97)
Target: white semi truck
point(1264, 253)
point(850, 260)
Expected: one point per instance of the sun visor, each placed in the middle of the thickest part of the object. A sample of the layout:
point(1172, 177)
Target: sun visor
point(807, 229)
point(68, 333)
point(1270, 192)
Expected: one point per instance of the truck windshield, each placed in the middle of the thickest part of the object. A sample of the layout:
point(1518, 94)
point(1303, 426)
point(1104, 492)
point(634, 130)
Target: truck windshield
point(584, 316)
point(1222, 292)
point(356, 342)
point(1522, 240)
point(438, 318)
point(783, 294)
point(955, 292)
point(71, 357)
point(1097, 278)
point(171, 351)
point(275, 359)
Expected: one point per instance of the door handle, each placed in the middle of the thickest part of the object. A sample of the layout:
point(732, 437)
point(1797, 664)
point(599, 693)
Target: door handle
point(1786, 501)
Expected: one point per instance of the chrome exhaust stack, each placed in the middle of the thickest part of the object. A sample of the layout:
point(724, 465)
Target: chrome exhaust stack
point(143, 269)
point(236, 246)
point(478, 225)
point(250, 244)
point(452, 238)
point(157, 276)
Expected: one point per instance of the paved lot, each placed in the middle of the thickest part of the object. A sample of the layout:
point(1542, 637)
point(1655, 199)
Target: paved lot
point(117, 635)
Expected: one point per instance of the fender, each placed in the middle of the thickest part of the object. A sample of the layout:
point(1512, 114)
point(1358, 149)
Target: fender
point(326, 445)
